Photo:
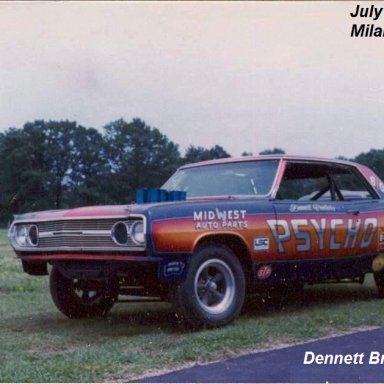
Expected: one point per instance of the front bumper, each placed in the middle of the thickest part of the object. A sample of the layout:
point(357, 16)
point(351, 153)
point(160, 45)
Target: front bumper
point(167, 267)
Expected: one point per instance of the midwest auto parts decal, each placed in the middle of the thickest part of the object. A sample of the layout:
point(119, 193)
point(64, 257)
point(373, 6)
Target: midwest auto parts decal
point(218, 219)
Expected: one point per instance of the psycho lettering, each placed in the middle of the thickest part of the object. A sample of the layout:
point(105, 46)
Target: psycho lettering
point(321, 234)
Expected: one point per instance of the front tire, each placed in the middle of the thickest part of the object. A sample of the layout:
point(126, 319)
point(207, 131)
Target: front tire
point(213, 292)
point(77, 298)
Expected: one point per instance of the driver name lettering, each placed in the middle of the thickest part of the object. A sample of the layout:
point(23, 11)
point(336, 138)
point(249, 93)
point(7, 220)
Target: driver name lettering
point(218, 219)
point(311, 207)
point(323, 234)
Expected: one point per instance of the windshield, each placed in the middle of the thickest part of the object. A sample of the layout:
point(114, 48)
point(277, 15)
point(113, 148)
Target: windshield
point(243, 178)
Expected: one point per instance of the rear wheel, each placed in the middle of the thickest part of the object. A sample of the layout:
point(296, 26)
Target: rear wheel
point(213, 292)
point(77, 298)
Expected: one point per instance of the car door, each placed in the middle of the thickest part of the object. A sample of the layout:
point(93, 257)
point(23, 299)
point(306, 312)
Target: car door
point(324, 211)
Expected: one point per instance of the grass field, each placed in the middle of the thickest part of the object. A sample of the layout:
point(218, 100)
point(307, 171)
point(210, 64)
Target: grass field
point(38, 344)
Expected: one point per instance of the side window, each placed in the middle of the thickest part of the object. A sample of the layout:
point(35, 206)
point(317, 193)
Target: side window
point(351, 187)
point(302, 189)
point(321, 182)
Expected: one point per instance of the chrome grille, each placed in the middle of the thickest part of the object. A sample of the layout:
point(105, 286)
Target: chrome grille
point(82, 235)
point(76, 225)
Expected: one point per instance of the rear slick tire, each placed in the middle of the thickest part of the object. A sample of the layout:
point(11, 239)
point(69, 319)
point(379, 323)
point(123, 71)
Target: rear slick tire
point(213, 292)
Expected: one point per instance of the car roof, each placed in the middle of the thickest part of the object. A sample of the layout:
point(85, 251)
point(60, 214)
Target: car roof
point(267, 157)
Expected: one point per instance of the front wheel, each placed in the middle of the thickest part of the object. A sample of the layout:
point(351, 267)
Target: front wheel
point(213, 292)
point(77, 298)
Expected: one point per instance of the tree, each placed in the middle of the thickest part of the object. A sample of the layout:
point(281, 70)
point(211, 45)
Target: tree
point(138, 156)
point(59, 155)
point(195, 154)
point(50, 165)
point(90, 168)
point(373, 159)
point(22, 177)
point(274, 151)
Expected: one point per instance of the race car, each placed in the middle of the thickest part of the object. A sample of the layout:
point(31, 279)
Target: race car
point(213, 233)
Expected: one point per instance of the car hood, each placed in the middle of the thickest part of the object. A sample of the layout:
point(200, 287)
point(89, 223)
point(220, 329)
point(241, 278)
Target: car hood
point(83, 212)
point(118, 211)
point(98, 211)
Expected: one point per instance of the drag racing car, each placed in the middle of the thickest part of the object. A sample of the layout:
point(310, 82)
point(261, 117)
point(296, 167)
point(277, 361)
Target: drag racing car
point(214, 232)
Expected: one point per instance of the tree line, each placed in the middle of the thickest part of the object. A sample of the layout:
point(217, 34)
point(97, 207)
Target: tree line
point(60, 164)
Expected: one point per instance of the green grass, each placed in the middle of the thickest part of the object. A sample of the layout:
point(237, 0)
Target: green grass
point(38, 344)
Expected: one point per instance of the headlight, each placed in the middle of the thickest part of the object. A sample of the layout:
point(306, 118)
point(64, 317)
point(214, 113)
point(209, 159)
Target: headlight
point(137, 232)
point(125, 233)
point(120, 233)
point(25, 235)
point(33, 235)
point(21, 234)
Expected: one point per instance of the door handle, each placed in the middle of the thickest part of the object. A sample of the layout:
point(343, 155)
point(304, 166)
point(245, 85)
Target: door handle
point(354, 212)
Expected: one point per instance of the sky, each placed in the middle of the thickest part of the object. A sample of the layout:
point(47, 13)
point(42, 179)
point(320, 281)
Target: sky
point(247, 76)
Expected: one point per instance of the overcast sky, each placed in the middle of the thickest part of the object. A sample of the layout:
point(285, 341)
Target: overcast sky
point(246, 76)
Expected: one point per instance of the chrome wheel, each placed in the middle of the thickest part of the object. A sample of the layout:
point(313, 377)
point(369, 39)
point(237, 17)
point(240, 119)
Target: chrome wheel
point(214, 286)
point(212, 293)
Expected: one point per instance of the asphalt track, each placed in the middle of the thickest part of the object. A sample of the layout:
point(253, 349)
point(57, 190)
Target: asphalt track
point(287, 364)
